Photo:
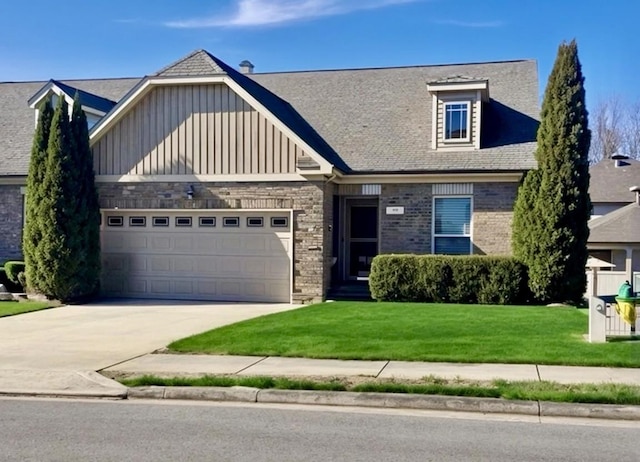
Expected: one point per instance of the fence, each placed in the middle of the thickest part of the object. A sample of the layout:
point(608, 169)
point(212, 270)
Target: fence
point(610, 281)
point(605, 322)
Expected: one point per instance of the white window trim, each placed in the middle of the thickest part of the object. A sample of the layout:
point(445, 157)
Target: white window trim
point(467, 139)
point(433, 221)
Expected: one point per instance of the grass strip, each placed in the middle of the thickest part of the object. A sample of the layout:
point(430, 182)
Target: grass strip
point(11, 308)
point(602, 393)
point(281, 383)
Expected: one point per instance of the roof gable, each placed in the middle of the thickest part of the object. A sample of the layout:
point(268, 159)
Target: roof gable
point(88, 101)
point(620, 226)
point(199, 62)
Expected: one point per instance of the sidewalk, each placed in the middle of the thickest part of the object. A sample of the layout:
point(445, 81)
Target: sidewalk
point(93, 385)
point(171, 364)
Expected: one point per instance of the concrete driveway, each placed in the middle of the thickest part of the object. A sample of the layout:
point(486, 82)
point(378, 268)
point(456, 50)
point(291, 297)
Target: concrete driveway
point(95, 336)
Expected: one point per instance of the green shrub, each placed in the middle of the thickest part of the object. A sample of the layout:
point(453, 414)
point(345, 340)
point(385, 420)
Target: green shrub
point(10, 286)
point(453, 279)
point(13, 270)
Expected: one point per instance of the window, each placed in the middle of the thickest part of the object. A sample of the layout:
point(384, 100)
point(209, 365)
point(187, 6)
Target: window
point(452, 225)
point(183, 222)
point(456, 121)
point(231, 222)
point(207, 222)
point(115, 221)
point(279, 222)
point(255, 222)
point(137, 221)
point(160, 221)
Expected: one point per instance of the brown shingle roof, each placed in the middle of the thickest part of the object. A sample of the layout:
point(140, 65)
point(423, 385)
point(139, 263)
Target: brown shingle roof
point(620, 226)
point(609, 183)
point(377, 120)
point(17, 121)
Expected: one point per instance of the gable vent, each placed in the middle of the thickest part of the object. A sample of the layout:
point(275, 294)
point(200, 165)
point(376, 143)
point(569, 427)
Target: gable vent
point(371, 189)
point(452, 189)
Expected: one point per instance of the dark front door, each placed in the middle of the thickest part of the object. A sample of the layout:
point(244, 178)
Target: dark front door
point(361, 237)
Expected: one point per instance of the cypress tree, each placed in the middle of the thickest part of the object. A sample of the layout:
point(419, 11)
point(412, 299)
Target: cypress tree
point(553, 207)
point(61, 235)
point(35, 192)
point(88, 209)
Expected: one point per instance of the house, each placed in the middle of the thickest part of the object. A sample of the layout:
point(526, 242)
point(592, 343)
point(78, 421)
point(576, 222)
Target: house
point(219, 184)
point(615, 225)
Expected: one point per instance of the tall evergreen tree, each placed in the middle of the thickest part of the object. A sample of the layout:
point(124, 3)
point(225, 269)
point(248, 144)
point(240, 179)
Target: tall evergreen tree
point(553, 206)
point(88, 209)
point(61, 240)
point(37, 168)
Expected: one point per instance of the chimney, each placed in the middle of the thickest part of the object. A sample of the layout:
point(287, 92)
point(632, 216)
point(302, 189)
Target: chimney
point(246, 67)
point(636, 189)
point(619, 159)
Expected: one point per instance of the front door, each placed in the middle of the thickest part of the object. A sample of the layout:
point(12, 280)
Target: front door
point(361, 237)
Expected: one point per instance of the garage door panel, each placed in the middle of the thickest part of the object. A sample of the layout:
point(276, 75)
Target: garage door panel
point(183, 244)
point(138, 263)
point(199, 262)
point(184, 265)
point(160, 287)
point(136, 286)
point(159, 243)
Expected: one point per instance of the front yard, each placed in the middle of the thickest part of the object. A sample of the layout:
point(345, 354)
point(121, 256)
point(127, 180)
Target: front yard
point(10, 308)
point(418, 332)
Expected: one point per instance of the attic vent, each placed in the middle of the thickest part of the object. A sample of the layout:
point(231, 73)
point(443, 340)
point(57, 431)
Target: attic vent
point(371, 189)
point(246, 67)
point(636, 189)
point(620, 160)
point(452, 189)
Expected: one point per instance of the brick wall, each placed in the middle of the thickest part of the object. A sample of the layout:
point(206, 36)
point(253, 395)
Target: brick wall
point(492, 217)
point(10, 223)
point(410, 232)
point(307, 199)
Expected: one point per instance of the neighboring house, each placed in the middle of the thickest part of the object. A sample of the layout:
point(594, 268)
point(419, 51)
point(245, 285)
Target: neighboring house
point(615, 227)
point(223, 185)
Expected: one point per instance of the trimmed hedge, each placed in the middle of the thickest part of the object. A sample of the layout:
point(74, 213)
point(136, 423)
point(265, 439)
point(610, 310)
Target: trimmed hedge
point(13, 270)
point(449, 279)
point(10, 286)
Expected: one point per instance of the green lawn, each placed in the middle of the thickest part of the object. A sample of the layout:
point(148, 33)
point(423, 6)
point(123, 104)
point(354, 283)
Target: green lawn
point(13, 307)
point(418, 332)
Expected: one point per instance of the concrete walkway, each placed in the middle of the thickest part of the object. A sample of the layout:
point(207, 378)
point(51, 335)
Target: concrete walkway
point(175, 365)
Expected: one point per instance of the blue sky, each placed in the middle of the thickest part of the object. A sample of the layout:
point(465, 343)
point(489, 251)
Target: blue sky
point(117, 38)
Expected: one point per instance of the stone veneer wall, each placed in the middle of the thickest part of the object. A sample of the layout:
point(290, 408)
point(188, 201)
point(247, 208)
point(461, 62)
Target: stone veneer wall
point(492, 217)
point(411, 232)
point(307, 199)
point(11, 209)
point(329, 192)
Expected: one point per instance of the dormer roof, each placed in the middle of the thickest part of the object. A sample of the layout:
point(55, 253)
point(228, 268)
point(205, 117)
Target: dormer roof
point(89, 101)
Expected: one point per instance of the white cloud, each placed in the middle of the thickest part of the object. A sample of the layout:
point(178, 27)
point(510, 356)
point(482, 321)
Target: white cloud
point(273, 12)
point(473, 24)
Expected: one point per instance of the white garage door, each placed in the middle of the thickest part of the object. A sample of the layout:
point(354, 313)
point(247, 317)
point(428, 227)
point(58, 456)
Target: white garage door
point(197, 255)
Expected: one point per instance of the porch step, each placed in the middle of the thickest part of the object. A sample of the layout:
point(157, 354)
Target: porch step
point(351, 291)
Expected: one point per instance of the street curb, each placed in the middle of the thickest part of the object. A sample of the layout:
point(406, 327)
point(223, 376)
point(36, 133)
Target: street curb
point(594, 411)
point(396, 401)
point(390, 401)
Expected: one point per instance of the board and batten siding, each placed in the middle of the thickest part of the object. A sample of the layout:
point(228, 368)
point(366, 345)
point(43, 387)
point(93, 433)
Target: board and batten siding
point(194, 130)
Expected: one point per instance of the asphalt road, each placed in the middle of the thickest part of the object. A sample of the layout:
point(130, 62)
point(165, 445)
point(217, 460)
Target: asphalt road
point(66, 430)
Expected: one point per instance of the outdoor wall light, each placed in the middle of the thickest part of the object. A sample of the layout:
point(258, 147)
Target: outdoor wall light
point(190, 192)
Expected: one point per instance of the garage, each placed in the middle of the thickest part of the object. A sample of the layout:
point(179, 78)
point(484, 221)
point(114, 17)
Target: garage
point(226, 255)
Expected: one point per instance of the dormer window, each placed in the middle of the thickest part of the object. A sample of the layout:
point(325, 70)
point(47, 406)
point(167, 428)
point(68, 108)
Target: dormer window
point(457, 112)
point(456, 121)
